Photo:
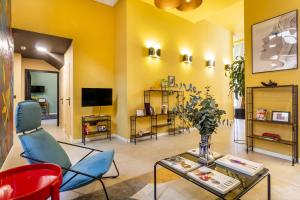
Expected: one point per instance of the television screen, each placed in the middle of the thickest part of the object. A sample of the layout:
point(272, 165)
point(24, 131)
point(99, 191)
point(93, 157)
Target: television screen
point(96, 97)
point(37, 89)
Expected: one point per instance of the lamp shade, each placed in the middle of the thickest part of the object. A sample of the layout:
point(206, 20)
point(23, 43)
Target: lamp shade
point(168, 4)
point(188, 5)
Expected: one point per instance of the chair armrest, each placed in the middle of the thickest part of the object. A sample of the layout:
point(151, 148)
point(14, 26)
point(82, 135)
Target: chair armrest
point(75, 145)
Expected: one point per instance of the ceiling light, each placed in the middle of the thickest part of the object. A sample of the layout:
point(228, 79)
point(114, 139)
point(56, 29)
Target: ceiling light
point(189, 5)
point(41, 49)
point(167, 4)
point(182, 5)
point(23, 48)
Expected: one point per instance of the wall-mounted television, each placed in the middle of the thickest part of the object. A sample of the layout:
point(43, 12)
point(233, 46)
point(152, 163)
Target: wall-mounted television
point(96, 97)
point(37, 89)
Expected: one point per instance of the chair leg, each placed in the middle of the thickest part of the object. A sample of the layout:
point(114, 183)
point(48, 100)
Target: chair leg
point(104, 189)
point(118, 173)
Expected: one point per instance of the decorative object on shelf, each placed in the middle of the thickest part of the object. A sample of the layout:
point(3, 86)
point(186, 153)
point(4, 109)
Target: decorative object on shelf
point(164, 109)
point(140, 112)
point(210, 63)
point(85, 129)
point(269, 84)
point(281, 116)
point(188, 59)
point(181, 5)
point(271, 136)
point(165, 84)
point(202, 112)
point(261, 114)
point(275, 43)
point(152, 110)
point(101, 128)
point(236, 74)
point(147, 108)
point(171, 81)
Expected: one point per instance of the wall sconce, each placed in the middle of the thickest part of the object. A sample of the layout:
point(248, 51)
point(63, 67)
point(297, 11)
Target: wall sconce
point(210, 63)
point(154, 52)
point(187, 59)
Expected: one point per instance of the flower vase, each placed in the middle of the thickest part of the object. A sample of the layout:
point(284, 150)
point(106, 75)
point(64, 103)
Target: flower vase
point(205, 155)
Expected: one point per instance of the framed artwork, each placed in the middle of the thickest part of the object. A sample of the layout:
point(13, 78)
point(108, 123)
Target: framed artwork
point(261, 114)
point(140, 112)
point(281, 116)
point(171, 81)
point(6, 81)
point(275, 44)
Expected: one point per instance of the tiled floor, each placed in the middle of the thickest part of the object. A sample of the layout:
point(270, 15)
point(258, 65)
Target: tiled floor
point(134, 160)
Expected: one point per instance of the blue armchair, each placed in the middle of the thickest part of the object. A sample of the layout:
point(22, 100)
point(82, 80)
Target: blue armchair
point(40, 146)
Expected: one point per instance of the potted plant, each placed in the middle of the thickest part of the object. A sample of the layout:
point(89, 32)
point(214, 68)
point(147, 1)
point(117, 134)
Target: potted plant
point(202, 112)
point(236, 74)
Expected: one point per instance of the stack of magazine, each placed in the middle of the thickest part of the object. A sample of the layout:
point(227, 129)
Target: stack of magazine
point(209, 177)
point(214, 179)
point(181, 164)
point(239, 164)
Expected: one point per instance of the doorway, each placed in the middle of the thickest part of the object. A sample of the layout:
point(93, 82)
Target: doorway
point(43, 87)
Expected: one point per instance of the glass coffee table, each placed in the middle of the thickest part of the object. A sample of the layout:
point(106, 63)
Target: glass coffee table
point(247, 182)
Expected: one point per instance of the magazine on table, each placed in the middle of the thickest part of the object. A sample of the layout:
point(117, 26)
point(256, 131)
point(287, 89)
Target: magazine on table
point(239, 164)
point(181, 164)
point(213, 179)
point(195, 152)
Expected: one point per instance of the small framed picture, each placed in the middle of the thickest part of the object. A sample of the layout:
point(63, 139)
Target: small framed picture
point(140, 112)
point(101, 128)
point(261, 114)
point(171, 81)
point(281, 116)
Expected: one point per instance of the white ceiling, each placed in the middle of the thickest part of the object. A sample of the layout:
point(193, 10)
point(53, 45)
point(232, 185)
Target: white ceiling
point(108, 2)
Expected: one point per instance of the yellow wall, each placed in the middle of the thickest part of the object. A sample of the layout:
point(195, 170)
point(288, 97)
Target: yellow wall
point(145, 22)
point(256, 11)
point(109, 50)
point(17, 79)
point(91, 25)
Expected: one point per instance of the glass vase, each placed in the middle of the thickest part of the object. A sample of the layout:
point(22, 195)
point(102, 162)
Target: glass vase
point(205, 154)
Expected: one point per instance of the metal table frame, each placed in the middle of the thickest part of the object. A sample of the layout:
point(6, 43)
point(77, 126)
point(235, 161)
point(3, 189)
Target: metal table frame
point(221, 196)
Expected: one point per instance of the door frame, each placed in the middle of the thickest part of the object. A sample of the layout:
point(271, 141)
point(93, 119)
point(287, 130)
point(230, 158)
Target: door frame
point(57, 90)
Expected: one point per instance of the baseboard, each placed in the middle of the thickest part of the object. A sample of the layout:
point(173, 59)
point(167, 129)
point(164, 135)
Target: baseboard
point(114, 135)
point(273, 154)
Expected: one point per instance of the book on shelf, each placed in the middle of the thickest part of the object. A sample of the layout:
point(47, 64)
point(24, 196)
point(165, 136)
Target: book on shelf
point(239, 164)
point(181, 164)
point(213, 179)
point(195, 152)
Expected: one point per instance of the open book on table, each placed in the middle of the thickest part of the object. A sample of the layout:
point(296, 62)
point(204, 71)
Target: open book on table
point(213, 179)
point(239, 164)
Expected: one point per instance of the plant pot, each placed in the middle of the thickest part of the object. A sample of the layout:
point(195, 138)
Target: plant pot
point(239, 113)
point(205, 155)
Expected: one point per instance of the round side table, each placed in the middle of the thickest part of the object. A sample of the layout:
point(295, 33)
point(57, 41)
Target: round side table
point(31, 182)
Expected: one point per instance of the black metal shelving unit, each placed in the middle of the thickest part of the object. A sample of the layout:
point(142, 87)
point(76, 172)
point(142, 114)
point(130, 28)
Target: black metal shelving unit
point(94, 121)
point(293, 124)
point(165, 94)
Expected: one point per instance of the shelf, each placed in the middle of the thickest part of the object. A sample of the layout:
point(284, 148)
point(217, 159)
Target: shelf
point(272, 122)
point(95, 132)
point(281, 141)
point(145, 134)
point(279, 86)
point(162, 125)
point(159, 90)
